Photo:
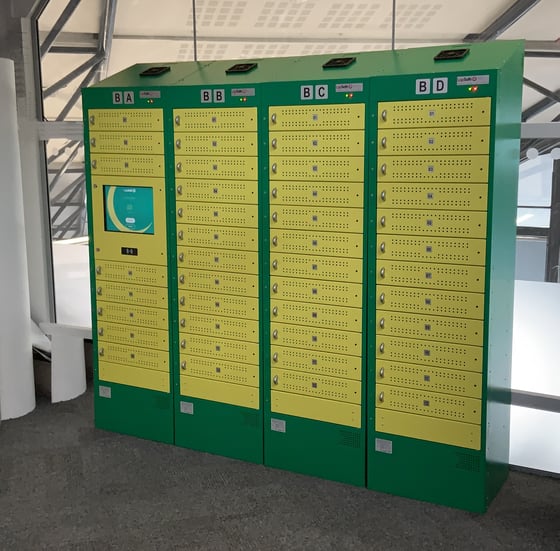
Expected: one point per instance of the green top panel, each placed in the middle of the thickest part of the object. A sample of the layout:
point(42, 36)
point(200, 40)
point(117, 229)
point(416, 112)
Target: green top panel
point(488, 55)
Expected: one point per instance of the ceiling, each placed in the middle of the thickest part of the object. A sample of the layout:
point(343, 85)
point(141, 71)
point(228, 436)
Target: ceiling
point(240, 29)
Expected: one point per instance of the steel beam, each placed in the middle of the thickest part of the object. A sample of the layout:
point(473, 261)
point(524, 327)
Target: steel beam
point(59, 24)
point(106, 35)
point(552, 270)
point(76, 95)
point(540, 130)
point(63, 168)
point(503, 22)
point(71, 130)
point(61, 151)
point(91, 62)
point(554, 96)
point(77, 187)
point(532, 400)
point(195, 42)
point(56, 200)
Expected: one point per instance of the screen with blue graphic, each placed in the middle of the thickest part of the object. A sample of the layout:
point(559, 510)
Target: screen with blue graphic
point(129, 209)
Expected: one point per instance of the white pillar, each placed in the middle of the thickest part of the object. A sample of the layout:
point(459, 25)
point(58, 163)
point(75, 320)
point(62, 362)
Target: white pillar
point(17, 387)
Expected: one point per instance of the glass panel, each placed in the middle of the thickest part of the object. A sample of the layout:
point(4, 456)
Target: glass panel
point(530, 258)
point(533, 217)
point(535, 183)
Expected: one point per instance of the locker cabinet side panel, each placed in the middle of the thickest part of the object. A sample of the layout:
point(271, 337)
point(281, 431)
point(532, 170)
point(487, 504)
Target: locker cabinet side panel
point(503, 209)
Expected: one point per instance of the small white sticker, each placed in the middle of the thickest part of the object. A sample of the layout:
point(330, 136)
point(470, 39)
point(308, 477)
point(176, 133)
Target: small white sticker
point(219, 95)
point(206, 96)
point(117, 98)
point(473, 80)
point(187, 407)
point(104, 391)
point(278, 425)
point(350, 87)
point(321, 91)
point(422, 86)
point(237, 92)
point(149, 94)
point(440, 85)
point(128, 98)
point(306, 92)
point(384, 446)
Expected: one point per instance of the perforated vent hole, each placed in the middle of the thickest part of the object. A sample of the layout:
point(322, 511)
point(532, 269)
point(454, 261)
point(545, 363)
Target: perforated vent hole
point(467, 462)
point(349, 439)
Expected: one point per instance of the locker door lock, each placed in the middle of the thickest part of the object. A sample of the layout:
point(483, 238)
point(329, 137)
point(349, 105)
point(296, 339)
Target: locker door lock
point(275, 264)
point(92, 142)
point(382, 373)
point(184, 365)
point(274, 143)
point(275, 311)
point(180, 212)
point(179, 190)
point(275, 379)
point(384, 114)
point(183, 343)
point(275, 288)
point(179, 167)
point(181, 257)
point(275, 334)
point(274, 193)
point(100, 311)
point(383, 195)
point(178, 144)
point(382, 298)
point(183, 322)
point(382, 348)
point(182, 301)
point(384, 142)
point(275, 217)
point(383, 169)
point(98, 270)
point(382, 247)
point(94, 164)
point(177, 120)
point(99, 290)
point(382, 272)
point(273, 118)
point(100, 331)
point(181, 279)
point(92, 119)
point(180, 235)
point(381, 396)
point(382, 221)
point(382, 323)
point(275, 357)
point(275, 241)
point(101, 351)
point(274, 168)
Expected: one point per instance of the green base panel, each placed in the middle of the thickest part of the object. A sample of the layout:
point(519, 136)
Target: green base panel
point(135, 411)
point(446, 475)
point(324, 450)
point(221, 429)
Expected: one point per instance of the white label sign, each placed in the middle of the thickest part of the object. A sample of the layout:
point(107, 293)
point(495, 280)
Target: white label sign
point(422, 86)
point(319, 91)
point(439, 85)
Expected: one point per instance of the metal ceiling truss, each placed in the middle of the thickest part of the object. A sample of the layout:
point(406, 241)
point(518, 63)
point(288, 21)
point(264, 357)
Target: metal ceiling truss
point(67, 199)
point(95, 68)
point(503, 22)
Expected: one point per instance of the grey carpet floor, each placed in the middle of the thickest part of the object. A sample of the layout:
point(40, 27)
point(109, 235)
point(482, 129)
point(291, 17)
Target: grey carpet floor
point(66, 485)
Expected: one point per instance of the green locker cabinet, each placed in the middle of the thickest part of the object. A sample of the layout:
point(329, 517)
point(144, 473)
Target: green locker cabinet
point(308, 262)
point(445, 162)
